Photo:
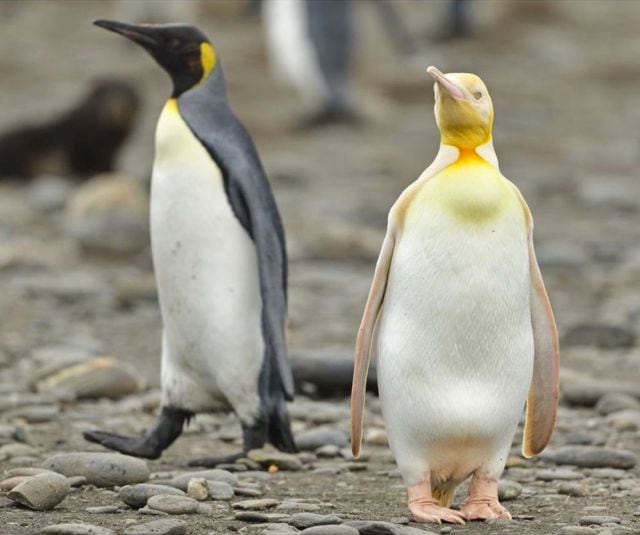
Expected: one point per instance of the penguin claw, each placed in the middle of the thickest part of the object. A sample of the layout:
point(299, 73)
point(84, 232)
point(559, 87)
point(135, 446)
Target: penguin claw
point(436, 514)
point(212, 462)
point(138, 447)
point(485, 511)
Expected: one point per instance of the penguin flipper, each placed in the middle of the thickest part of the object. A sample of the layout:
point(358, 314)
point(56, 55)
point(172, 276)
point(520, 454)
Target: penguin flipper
point(365, 338)
point(542, 403)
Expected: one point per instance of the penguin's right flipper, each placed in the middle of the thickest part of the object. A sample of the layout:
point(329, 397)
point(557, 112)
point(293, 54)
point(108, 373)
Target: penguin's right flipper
point(365, 338)
point(168, 428)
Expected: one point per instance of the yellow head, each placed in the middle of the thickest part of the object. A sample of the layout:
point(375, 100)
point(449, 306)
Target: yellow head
point(464, 111)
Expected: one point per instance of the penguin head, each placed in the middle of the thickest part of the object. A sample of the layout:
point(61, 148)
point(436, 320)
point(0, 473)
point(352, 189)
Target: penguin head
point(464, 111)
point(180, 49)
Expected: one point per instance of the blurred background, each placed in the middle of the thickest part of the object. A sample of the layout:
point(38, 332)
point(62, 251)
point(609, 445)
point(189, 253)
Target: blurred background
point(75, 271)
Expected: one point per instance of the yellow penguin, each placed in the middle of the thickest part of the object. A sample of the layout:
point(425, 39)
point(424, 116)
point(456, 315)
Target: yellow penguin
point(459, 318)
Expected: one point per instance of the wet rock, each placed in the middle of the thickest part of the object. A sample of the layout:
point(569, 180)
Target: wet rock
point(560, 474)
point(109, 213)
point(100, 469)
point(316, 438)
point(198, 489)
point(307, 520)
point(102, 509)
point(173, 505)
point(248, 505)
point(158, 527)
point(181, 481)
point(508, 490)
point(42, 492)
point(283, 461)
point(76, 529)
point(330, 530)
point(626, 420)
point(571, 489)
point(615, 402)
point(577, 530)
point(251, 516)
point(602, 336)
point(593, 457)
point(49, 193)
point(219, 490)
point(597, 520)
point(101, 377)
point(137, 496)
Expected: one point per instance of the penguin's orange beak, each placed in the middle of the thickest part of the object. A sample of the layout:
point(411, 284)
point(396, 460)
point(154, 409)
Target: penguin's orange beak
point(445, 84)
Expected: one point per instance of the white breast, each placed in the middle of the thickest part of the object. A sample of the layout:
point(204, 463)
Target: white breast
point(207, 275)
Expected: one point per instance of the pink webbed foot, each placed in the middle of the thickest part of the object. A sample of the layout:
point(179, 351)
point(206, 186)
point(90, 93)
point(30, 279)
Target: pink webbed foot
point(482, 503)
point(425, 509)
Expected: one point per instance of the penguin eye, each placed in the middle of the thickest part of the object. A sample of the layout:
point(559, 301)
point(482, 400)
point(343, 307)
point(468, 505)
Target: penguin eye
point(477, 95)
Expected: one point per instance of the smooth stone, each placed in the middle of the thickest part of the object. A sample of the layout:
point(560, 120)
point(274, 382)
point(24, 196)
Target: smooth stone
point(219, 490)
point(295, 506)
point(267, 459)
point(102, 509)
point(137, 496)
point(76, 529)
point(508, 490)
point(248, 505)
point(9, 451)
point(625, 420)
point(367, 527)
point(181, 481)
point(27, 471)
point(608, 473)
point(249, 492)
point(158, 527)
point(571, 489)
point(100, 469)
point(328, 451)
point(315, 438)
point(12, 482)
point(173, 505)
point(602, 336)
point(278, 528)
point(48, 193)
point(580, 439)
point(598, 520)
point(330, 530)
point(198, 489)
point(593, 457)
point(615, 401)
point(577, 530)
point(560, 474)
point(307, 520)
point(42, 492)
point(77, 481)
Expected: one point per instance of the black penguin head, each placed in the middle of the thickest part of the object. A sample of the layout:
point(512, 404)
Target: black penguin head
point(180, 49)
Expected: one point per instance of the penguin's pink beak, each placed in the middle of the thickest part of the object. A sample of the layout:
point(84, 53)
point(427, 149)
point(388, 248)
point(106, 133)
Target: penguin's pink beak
point(446, 84)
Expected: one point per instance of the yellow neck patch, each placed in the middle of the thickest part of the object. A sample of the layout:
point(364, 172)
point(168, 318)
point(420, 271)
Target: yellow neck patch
point(171, 106)
point(208, 59)
point(470, 190)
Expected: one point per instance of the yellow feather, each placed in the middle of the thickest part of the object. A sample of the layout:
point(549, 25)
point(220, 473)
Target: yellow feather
point(208, 60)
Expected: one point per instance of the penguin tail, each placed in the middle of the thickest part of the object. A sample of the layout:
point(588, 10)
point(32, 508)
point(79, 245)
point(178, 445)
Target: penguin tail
point(279, 428)
point(443, 493)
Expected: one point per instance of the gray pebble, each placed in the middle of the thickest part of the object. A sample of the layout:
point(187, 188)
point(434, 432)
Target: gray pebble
point(598, 520)
point(76, 529)
point(181, 481)
point(599, 335)
point(158, 527)
point(508, 490)
point(367, 527)
point(296, 506)
point(48, 193)
point(608, 473)
point(558, 474)
point(248, 505)
point(249, 492)
point(137, 496)
point(267, 458)
point(100, 469)
point(571, 489)
point(593, 457)
point(102, 509)
point(307, 520)
point(41, 492)
point(279, 529)
point(330, 530)
point(220, 490)
point(577, 530)
point(173, 505)
point(316, 438)
point(614, 402)
point(329, 451)
point(625, 420)
point(13, 482)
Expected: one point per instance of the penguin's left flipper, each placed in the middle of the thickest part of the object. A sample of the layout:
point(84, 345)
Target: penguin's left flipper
point(542, 403)
point(153, 443)
point(365, 336)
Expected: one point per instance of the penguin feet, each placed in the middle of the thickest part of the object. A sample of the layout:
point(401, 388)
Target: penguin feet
point(482, 503)
point(425, 508)
point(212, 462)
point(136, 446)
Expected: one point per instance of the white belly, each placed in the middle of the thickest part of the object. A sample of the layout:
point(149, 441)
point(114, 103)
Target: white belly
point(455, 343)
point(207, 276)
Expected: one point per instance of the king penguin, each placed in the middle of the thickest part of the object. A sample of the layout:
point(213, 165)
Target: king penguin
point(459, 318)
point(219, 257)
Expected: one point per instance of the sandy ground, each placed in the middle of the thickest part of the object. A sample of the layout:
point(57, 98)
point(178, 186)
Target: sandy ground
point(565, 89)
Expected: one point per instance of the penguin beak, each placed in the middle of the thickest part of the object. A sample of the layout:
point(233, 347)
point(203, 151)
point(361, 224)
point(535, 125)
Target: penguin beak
point(445, 84)
point(146, 35)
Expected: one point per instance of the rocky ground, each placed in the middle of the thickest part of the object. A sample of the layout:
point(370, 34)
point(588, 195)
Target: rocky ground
point(80, 325)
